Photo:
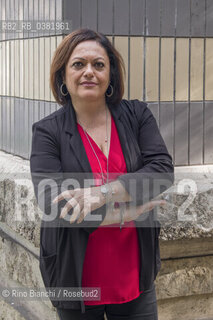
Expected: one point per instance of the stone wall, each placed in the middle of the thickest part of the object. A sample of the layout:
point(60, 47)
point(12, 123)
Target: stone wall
point(185, 283)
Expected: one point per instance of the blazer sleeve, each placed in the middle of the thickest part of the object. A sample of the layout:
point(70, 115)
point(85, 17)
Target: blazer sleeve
point(156, 172)
point(47, 177)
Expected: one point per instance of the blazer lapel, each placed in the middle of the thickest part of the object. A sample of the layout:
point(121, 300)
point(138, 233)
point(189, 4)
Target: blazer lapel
point(75, 139)
point(123, 135)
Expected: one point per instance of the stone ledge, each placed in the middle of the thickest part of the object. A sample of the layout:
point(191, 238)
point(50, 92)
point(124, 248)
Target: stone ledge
point(191, 308)
point(182, 277)
point(185, 282)
point(183, 248)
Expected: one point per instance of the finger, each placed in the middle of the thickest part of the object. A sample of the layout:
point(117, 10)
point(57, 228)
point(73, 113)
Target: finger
point(75, 214)
point(154, 203)
point(69, 205)
point(64, 195)
point(150, 205)
point(83, 214)
point(158, 202)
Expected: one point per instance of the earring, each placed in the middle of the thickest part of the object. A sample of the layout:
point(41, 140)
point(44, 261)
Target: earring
point(61, 90)
point(112, 91)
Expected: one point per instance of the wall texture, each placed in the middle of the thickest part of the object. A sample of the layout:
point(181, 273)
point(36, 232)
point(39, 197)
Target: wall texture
point(167, 47)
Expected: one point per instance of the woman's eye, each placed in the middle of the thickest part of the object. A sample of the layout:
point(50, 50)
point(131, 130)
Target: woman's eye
point(77, 64)
point(99, 64)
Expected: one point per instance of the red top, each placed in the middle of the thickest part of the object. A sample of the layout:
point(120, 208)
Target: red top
point(112, 256)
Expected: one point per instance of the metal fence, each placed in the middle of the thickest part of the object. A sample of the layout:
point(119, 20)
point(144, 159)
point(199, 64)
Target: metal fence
point(167, 48)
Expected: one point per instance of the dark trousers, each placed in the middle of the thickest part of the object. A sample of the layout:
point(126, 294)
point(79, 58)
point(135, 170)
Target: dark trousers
point(142, 308)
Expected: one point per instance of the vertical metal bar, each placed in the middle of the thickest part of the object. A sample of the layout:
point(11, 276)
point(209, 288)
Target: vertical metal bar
point(204, 83)
point(0, 19)
point(8, 123)
point(144, 55)
point(0, 122)
point(174, 79)
point(113, 22)
point(4, 101)
point(1, 55)
point(16, 125)
point(129, 53)
point(12, 121)
point(2, 138)
point(1, 98)
point(189, 83)
point(54, 32)
point(38, 75)
point(20, 142)
point(29, 104)
point(31, 118)
point(159, 59)
point(21, 119)
point(14, 100)
point(1, 61)
point(3, 123)
point(36, 110)
point(196, 133)
point(27, 108)
point(1, 82)
point(9, 92)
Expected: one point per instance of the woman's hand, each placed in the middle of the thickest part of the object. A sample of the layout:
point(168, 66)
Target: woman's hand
point(82, 201)
point(130, 212)
point(85, 200)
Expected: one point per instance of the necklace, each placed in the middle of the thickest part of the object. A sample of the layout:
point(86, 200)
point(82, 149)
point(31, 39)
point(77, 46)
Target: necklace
point(83, 126)
point(106, 140)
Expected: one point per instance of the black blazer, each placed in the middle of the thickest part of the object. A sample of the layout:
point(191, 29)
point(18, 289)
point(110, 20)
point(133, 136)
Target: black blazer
point(58, 153)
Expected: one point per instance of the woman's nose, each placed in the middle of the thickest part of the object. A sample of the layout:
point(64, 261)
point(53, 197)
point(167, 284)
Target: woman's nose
point(89, 70)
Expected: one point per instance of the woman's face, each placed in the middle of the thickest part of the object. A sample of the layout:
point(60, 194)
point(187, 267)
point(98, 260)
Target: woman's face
point(87, 73)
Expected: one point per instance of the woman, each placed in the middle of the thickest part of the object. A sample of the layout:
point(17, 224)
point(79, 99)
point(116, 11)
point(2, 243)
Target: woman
point(92, 234)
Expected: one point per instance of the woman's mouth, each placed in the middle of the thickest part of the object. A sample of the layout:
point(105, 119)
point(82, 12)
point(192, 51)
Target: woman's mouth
point(88, 84)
